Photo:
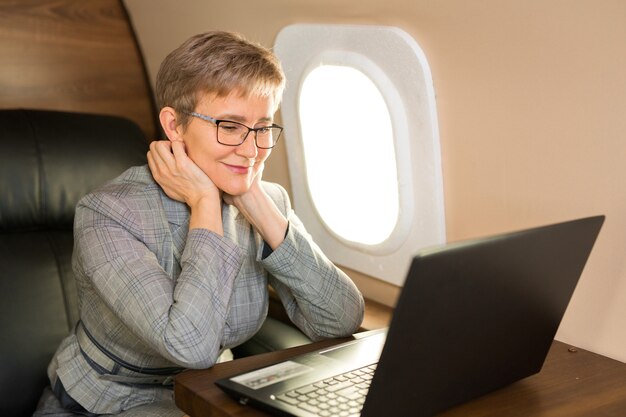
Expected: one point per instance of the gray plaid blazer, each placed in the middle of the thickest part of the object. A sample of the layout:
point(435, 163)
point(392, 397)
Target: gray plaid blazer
point(156, 298)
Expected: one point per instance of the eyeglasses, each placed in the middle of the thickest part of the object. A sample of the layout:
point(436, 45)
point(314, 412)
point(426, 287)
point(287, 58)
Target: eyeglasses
point(231, 133)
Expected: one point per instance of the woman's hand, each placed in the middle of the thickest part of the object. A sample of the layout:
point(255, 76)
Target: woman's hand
point(182, 180)
point(241, 200)
point(178, 175)
point(260, 211)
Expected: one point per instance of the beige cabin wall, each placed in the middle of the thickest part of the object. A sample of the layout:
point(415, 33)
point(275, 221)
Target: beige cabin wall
point(531, 102)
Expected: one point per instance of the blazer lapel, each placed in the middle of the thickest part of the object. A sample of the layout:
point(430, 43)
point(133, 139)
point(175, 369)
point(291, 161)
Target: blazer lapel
point(177, 214)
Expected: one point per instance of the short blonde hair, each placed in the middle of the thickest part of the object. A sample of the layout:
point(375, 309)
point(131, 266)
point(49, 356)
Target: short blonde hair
point(217, 63)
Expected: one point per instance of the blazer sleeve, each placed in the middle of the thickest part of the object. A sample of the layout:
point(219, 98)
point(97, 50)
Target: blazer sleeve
point(318, 297)
point(182, 318)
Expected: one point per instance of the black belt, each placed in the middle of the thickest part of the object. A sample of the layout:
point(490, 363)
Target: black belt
point(105, 362)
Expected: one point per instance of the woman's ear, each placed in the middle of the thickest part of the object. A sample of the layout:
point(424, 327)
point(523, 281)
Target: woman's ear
point(169, 122)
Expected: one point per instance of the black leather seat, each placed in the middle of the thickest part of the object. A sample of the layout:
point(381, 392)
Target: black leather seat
point(48, 161)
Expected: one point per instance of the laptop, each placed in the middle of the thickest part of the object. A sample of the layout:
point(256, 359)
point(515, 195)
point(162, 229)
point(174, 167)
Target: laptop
point(472, 317)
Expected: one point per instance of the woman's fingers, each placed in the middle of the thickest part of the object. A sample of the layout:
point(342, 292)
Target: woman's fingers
point(156, 156)
point(177, 174)
point(179, 152)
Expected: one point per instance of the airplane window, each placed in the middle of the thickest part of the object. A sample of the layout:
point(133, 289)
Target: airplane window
point(362, 144)
point(349, 153)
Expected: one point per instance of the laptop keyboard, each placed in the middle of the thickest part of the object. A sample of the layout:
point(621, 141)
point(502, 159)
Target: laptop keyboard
point(340, 396)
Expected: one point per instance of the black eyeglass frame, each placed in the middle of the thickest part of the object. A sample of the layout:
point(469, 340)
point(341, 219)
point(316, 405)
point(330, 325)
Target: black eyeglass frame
point(217, 122)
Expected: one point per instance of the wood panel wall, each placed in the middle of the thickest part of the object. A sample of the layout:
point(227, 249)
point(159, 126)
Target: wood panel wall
point(74, 55)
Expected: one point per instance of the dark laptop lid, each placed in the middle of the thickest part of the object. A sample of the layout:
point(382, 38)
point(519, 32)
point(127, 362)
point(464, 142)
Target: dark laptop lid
point(478, 315)
point(472, 317)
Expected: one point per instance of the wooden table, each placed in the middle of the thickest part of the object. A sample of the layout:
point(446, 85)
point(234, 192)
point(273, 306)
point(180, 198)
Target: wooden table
point(572, 383)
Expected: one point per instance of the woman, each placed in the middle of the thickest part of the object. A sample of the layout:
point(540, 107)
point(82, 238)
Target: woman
point(172, 260)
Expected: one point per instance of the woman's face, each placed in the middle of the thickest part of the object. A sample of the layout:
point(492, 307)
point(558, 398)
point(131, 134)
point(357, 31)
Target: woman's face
point(231, 168)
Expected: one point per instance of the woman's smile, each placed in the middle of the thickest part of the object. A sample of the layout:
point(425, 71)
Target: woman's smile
point(239, 169)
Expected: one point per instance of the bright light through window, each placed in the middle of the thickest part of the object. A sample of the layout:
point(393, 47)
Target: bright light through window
point(349, 153)
point(362, 144)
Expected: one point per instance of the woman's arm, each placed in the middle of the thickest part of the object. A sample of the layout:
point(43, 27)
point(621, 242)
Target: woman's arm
point(116, 245)
point(318, 297)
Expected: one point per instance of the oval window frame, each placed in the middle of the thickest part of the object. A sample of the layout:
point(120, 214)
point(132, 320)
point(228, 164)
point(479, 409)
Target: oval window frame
point(420, 185)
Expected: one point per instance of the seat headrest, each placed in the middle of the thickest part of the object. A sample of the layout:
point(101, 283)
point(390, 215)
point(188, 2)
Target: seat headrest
point(50, 159)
